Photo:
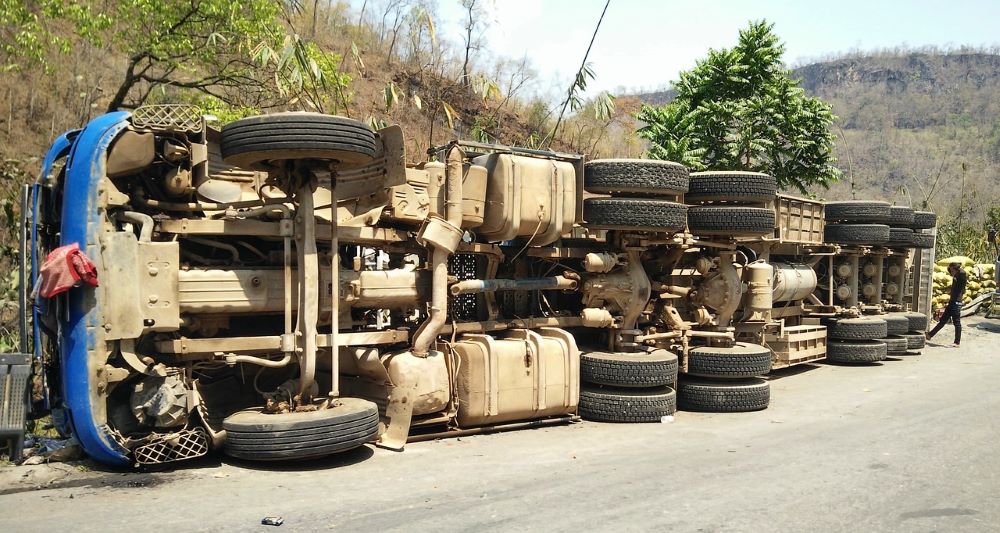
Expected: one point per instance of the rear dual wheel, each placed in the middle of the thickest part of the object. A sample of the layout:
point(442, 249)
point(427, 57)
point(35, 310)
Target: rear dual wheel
point(900, 216)
point(856, 352)
point(915, 341)
point(635, 214)
point(741, 360)
point(923, 220)
point(725, 191)
point(856, 328)
point(612, 404)
point(725, 220)
point(657, 368)
point(858, 212)
point(894, 344)
point(860, 234)
point(627, 387)
point(895, 323)
point(737, 396)
point(917, 321)
point(900, 237)
point(921, 240)
point(724, 379)
point(731, 187)
point(635, 177)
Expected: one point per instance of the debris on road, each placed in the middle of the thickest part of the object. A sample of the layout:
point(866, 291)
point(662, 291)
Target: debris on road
point(40, 450)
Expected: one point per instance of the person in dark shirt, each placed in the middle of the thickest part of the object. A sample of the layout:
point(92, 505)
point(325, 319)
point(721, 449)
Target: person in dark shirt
point(954, 310)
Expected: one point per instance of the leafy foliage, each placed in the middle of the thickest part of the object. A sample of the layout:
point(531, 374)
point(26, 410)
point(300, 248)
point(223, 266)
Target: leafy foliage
point(970, 240)
point(603, 106)
point(203, 45)
point(739, 110)
point(221, 111)
point(26, 35)
point(307, 73)
point(237, 52)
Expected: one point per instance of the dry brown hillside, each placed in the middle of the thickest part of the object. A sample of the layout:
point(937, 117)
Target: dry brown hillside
point(915, 127)
point(387, 61)
point(402, 74)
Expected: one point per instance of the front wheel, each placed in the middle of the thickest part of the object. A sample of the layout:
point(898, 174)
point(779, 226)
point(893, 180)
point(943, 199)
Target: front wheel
point(256, 142)
point(258, 436)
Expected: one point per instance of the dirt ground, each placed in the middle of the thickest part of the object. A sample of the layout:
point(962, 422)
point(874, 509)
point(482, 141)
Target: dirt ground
point(907, 445)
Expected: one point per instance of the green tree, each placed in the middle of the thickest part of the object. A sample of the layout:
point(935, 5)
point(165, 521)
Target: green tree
point(242, 52)
point(739, 110)
point(204, 45)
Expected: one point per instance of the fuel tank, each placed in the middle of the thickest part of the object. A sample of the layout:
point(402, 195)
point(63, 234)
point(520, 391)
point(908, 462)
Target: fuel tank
point(526, 374)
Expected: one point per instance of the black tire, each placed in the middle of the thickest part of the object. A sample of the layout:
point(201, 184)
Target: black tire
point(924, 220)
point(900, 237)
point(921, 240)
point(895, 323)
point(641, 369)
point(256, 436)
point(858, 211)
point(733, 221)
point(608, 404)
point(635, 176)
point(914, 340)
point(637, 214)
point(900, 216)
point(742, 360)
point(856, 328)
point(731, 187)
point(894, 344)
point(856, 233)
point(855, 351)
point(256, 141)
point(738, 396)
point(918, 321)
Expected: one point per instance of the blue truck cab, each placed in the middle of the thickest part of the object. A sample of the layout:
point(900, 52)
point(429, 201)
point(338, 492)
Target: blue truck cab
point(282, 288)
point(71, 215)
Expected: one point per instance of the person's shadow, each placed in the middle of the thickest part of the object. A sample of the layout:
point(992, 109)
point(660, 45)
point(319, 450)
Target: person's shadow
point(992, 327)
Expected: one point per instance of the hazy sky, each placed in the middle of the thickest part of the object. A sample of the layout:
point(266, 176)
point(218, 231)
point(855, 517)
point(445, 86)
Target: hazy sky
point(645, 43)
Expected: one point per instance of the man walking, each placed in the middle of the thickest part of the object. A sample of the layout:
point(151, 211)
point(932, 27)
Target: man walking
point(954, 309)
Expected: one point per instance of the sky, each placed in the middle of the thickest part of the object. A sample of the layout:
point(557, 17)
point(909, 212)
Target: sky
point(643, 44)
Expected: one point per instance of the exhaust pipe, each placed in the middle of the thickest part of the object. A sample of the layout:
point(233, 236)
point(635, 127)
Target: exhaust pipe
point(441, 236)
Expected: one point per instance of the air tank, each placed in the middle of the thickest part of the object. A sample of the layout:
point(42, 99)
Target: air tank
point(792, 281)
point(760, 299)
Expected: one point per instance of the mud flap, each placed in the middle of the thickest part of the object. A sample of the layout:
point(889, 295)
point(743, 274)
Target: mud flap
point(398, 414)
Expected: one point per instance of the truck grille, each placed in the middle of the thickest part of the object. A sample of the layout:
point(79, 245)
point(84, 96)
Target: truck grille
point(177, 117)
point(185, 444)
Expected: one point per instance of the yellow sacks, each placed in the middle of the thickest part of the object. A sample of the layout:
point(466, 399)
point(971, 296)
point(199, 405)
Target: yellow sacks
point(963, 260)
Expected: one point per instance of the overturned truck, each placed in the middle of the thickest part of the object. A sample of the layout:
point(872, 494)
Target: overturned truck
point(289, 287)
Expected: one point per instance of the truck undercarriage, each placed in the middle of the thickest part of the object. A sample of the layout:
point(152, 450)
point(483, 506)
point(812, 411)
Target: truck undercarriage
point(290, 287)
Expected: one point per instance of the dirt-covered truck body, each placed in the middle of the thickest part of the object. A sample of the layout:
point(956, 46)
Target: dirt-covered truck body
point(290, 287)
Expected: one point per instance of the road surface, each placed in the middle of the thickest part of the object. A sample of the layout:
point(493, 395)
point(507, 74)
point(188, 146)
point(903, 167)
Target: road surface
point(909, 445)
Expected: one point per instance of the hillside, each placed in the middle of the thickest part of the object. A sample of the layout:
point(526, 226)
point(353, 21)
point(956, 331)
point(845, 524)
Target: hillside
point(918, 127)
point(65, 62)
point(915, 127)
point(921, 127)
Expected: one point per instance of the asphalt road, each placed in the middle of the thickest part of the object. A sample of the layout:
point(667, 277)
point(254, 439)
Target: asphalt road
point(909, 445)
